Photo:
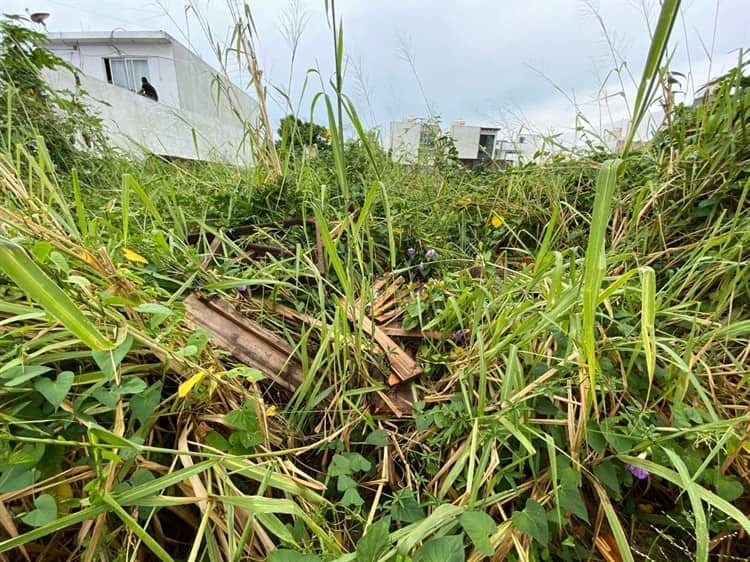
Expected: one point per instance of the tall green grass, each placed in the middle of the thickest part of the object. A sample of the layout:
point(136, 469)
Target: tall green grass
point(596, 327)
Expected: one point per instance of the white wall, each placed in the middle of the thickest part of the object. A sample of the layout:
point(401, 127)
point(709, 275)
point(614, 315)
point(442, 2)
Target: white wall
point(404, 140)
point(90, 59)
point(466, 139)
point(198, 91)
point(134, 122)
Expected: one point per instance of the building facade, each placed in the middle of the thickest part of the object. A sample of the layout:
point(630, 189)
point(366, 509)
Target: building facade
point(199, 114)
point(475, 145)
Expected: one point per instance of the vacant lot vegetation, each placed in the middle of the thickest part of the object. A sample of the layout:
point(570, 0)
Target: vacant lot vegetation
point(582, 324)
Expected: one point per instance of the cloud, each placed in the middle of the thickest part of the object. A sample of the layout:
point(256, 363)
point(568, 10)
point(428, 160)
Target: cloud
point(474, 59)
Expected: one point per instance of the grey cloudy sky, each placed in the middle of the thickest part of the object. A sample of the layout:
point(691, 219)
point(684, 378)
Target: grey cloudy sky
point(482, 61)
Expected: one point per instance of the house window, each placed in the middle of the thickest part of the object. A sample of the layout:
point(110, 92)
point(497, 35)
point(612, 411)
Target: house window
point(126, 72)
point(486, 146)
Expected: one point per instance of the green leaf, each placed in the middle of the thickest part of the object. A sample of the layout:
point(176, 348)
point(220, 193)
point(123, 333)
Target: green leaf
point(340, 466)
point(45, 512)
point(379, 438)
point(132, 385)
point(479, 527)
point(21, 373)
point(250, 373)
point(727, 487)
point(108, 361)
point(352, 497)
point(41, 250)
point(357, 462)
point(406, 508)
point(41, 289)
point(153, 308)
point(56, 390)
point(199, 339)
point(158, 312)
point(345, 483)
point(285, 555)
point(375, 542)
point(570, 500)
point(532, 521)
point(608, 474)
point(143, 405)
point(441, 549)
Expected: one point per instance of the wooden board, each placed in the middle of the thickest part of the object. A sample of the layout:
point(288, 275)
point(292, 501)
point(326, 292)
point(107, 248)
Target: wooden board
point(246, 340)
point(404, 367)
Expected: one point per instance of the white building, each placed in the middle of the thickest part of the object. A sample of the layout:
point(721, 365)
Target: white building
point(522, 148)
point(199, 114)
point(473, 143)
point(410, 137)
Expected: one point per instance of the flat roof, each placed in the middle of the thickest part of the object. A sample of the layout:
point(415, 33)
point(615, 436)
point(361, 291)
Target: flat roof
point(116, 35)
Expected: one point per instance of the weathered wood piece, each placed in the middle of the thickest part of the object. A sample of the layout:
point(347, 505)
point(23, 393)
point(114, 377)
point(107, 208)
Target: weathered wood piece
point(246, 340)
point(404, 367)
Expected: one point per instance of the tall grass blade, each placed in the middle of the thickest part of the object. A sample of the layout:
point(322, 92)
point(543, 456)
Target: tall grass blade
point(41, 289)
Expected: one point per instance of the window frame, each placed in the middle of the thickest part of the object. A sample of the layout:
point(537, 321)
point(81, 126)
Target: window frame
point(131, 77)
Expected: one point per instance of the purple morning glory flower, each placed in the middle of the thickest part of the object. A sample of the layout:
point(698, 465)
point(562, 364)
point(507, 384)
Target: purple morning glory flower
point(459, 335)
point(639, 473)
point(430, 254)
point(242, 289)
point(411, 251)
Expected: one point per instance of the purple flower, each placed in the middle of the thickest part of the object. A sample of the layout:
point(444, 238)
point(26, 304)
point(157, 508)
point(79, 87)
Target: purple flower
point(242, 289)
point(411, 251)
point(420, 267)
point(459, 335)
point(430, 254)
point(638, 472)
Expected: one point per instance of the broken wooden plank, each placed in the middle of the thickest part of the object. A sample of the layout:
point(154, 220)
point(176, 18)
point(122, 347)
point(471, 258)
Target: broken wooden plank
point(246, 340)
point(212, 249)
point(404, 367)
point(398, 400)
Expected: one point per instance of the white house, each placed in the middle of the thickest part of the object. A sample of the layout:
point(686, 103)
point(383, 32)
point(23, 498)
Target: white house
point(474, 144)
point(518, 149)
point(409, 137)
point(199, 114)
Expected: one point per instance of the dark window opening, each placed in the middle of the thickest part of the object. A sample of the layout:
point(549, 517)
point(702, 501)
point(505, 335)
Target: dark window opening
point(486, 145)
point(108, 70)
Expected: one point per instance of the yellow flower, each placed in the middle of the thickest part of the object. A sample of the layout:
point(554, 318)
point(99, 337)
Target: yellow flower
point(497, 221)
point(130, 255)
point(464, 202)
point(271, 411)
point(184, 389)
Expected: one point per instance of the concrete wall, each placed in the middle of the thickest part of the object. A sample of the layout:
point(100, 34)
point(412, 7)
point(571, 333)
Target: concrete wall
point(404, 140)
point(90, 59)
point(466, 139)
point(199, 93)
point(133, 122)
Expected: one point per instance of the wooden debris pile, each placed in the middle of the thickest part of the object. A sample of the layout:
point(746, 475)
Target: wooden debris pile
point(238, 331)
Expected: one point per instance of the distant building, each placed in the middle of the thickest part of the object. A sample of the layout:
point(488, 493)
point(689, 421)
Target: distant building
point(523, 148)
point(411, 137)
point(474, 145)
point(199, 114)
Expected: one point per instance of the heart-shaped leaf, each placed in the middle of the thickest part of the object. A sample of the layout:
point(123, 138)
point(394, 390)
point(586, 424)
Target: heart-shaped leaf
point(479, 526)
point(45, 512)
point(108, 361)
point(56, 390)
point(442, 549)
